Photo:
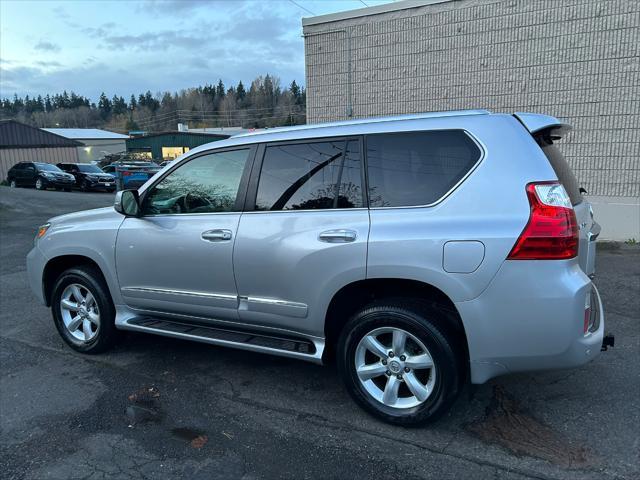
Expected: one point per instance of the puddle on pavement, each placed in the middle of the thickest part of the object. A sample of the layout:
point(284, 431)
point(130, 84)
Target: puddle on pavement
point(196, 438)
point(144, 407)
point(505, 423)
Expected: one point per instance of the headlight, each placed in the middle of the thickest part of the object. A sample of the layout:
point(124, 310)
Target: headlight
point(42, 230)
point(47, 174)
point(93, 178)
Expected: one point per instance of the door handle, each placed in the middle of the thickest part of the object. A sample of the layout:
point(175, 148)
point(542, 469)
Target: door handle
point(338, 236)
point(216, 235)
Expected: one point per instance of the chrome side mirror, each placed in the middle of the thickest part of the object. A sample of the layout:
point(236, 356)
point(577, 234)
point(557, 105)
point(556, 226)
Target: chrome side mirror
point(127, 203)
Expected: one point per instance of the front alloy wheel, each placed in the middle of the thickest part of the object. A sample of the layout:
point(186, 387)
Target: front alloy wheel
point(83, 311)
point(80, 312)
point(39, 184)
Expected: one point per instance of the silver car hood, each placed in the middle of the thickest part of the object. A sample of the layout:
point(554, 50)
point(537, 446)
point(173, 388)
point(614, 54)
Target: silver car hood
point(105, 213)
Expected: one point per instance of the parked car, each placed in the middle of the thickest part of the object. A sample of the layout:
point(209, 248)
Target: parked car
point(132, 174)
point(419, 252)
point(89, 176)
point(40, 175)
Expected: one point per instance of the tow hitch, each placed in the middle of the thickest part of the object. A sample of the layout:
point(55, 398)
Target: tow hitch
point(607, 341)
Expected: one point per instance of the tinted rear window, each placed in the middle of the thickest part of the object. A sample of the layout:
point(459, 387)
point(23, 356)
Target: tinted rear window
point(310, 176)
point(47, 167)
point(563, 170)
point(417, 168)
point(88, 168)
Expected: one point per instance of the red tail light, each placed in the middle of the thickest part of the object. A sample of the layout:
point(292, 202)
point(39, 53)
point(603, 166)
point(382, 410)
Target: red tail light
point(552, 230)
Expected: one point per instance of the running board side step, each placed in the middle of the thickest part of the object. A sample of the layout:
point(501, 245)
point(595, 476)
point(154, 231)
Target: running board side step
point(257, 341)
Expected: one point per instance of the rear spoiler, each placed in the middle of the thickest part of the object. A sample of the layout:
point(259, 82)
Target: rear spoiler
point(543, 125)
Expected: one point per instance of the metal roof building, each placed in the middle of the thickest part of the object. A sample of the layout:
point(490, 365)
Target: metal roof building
point(169, 145)
point(94, 142)
point(24, 143)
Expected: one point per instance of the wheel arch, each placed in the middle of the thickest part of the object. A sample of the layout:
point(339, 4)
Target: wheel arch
point(57, 265)
point(353, 296)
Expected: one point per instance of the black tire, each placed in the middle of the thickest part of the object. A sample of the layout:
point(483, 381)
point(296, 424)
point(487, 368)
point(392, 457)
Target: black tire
point(423, 321)
point(90, 279)
point(13, 183)
point(84, 186)
point(41, 184)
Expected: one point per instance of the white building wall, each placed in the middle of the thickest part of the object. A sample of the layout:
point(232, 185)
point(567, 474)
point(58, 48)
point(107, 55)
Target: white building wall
point(578, 60)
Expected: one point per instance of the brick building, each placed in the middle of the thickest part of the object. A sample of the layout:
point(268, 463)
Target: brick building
point(576, 59)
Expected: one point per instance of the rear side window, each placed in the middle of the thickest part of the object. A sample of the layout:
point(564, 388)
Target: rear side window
point(562, 169)
point(417, 168)
point(309, 176)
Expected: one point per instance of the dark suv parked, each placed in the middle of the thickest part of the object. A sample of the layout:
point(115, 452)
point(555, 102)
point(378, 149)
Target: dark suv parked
point(89, 176)
point(40, 175)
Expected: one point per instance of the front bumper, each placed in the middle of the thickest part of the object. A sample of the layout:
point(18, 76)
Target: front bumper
point(531, 317)
point(60, 183)
point(36, 262)
point(103, 185)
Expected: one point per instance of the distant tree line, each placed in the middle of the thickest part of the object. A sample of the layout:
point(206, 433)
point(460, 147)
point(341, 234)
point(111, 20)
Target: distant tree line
point(265, 103)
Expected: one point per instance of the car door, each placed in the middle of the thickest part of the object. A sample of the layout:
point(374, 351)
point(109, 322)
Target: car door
point(28, 175)
point(303, 234)
point(176, 258)
point(15, 173)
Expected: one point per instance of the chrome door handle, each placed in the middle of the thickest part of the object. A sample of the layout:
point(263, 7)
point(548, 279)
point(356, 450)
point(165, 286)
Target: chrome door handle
point(216, 235)
point(338, 236)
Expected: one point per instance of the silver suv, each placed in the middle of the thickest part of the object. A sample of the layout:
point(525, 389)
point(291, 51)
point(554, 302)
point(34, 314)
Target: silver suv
point(419, 252)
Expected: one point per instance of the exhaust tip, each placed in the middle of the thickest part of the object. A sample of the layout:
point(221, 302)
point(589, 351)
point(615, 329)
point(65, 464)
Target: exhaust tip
point(607, 341)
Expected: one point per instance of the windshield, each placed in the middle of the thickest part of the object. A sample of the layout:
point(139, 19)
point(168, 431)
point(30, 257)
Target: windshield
point(47, 167)
point(89, 168)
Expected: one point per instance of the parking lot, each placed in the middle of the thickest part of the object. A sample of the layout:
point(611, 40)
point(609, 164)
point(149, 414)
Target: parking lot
point(162, 408)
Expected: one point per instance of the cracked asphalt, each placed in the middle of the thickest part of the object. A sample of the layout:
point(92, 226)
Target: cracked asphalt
point(162, 408)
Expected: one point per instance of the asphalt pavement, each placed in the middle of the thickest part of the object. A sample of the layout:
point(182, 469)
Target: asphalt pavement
point(161, 408)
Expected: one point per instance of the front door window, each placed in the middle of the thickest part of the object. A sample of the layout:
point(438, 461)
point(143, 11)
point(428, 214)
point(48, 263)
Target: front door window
point(206, 184)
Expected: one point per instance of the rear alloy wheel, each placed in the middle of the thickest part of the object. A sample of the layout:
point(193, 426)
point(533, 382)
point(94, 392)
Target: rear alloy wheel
point(383, 369)
point(39, 184)
point(83, 311)
point(398, 363)
point(13, 184)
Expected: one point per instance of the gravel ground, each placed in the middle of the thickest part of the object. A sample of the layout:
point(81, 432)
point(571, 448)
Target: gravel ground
point(162, 408)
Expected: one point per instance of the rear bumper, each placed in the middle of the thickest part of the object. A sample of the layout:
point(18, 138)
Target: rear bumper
point(531, 317)
point(36, 262)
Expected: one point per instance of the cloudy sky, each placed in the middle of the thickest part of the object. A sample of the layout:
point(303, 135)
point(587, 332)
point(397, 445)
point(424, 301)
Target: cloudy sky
point(123, 47)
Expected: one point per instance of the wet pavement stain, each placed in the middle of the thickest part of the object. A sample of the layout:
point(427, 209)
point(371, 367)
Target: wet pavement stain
point(506, 424)
point(196, 438)
point(144, 407)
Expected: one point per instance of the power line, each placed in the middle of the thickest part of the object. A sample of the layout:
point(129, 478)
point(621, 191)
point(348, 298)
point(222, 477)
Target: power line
point(303, 8)
point(362, 2)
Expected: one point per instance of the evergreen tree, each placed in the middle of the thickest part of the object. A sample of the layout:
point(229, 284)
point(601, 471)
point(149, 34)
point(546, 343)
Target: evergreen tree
point(295, 92)
point(240, 92)
point(104, 106)
point(119, 105)
point(220, 90)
